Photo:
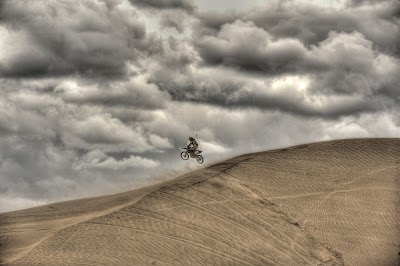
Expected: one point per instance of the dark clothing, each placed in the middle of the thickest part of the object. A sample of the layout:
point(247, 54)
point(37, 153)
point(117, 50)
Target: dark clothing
point(193, 145)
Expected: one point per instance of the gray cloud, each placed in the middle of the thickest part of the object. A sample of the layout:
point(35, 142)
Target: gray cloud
point(244, 45)
point(136, 93)
point(45, 147)
point(311, 24)
point(324, 82)
point(293, 38)
point(80, 127)
point(173, 20)
point(224, 87)
point(365, 2)
point(22, 169)
point(35, 171)
point(98, 159)
point(186, 5)
point(59, 38)
point(209, 23)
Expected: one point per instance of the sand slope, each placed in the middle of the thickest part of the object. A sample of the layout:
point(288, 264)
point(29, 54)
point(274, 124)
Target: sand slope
point(329, 203)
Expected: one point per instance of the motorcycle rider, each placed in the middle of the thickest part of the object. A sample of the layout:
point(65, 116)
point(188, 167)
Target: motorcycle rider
point(193, 144)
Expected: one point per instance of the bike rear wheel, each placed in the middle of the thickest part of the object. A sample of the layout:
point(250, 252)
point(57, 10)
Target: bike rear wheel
point(185, 155)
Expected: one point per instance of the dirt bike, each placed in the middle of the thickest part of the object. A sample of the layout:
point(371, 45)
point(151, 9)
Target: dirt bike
point(192, 153)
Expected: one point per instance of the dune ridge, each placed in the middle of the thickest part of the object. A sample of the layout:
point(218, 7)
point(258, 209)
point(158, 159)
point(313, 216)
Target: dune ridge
point(326, 203)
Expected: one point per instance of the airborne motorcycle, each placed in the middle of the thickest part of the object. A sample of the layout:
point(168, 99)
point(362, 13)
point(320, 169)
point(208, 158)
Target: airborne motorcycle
point(192, 153)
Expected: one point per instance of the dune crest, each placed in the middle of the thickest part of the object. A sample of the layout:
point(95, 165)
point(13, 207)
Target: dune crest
point(327, 203)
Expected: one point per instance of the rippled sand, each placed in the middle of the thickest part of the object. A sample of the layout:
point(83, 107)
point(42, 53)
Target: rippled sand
point(328, 203)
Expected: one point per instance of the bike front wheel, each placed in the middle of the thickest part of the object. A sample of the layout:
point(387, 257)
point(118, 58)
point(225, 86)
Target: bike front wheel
point(200, 159)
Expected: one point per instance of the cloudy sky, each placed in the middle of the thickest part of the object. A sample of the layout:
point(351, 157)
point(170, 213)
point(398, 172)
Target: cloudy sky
point(98, 96)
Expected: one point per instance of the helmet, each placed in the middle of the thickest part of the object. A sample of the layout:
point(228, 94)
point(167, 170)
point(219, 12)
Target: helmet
point(190, 138)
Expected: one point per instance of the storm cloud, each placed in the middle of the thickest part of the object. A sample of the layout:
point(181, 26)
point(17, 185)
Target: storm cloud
point(58, 38)
point(311, 23)
point(98, 96)
point(186, 5)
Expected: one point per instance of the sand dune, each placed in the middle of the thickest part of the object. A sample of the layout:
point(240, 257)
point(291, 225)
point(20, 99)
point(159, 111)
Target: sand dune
point(328, 203)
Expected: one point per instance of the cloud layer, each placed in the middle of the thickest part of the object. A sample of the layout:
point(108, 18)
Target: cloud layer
point(59, 38)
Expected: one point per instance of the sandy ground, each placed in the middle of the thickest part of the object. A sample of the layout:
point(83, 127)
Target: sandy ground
point(328, 203)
